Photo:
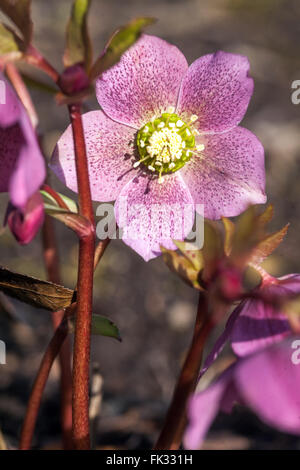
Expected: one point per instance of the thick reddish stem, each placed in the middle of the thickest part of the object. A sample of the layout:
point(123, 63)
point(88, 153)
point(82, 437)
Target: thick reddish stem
point(81, 357)
point(34, 57)
point(172, 432)
point(39, 385)
point(51, 260)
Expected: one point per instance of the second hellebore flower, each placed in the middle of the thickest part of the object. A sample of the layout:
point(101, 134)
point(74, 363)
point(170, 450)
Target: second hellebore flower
point(22, 168)
point(267, 382)
point(167, 138)
point(266, 375)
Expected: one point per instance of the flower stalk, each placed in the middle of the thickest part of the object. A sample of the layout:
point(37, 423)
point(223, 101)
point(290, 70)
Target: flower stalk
point(51, 261)
point(171, 435)
point(39, 385)
point(81, 356)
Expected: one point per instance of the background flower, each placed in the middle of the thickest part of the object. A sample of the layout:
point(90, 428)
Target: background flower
point(22, 168)
point(267, 382)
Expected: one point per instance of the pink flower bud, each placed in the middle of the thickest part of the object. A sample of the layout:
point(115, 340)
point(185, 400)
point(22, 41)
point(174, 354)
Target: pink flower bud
point(25, 223)
point(74, 79)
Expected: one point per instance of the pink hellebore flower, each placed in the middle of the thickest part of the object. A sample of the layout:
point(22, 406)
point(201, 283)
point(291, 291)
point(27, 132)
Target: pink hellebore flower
point(255, 323)
point(167, 137)
point(22, 168)
point(268, 382)
point(266, 378)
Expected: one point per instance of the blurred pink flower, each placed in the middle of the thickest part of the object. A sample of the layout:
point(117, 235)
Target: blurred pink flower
point(22, 168)
point(267, 382)
point(256, 323)
point(165, 122)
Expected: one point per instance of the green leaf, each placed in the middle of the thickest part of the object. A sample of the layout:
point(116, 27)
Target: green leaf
point(75, 222)
point(105, 327)
point(10, 45)
point(267, 215)
point(36, 292)
point(188, 250)
point(266, 246)
point(48, 199)
point(182, 266)
point(121, 40)
point(78, 45)
point(212, 248)
point(19, 11)
point(229, 228)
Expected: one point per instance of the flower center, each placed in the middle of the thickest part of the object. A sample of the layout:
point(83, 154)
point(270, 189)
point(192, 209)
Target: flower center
point(166, 143)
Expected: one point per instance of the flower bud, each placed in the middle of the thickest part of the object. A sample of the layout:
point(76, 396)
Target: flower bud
point(25, 223)
point(73, 80)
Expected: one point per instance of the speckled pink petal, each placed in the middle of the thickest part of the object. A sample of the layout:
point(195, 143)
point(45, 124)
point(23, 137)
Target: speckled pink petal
point(110, 156)
point(229, 174)
point(202, 410)
point(144, 83)
point(153, 214)
point(10, 108)
point(11, 143)
point(270, 382)
point(29, 169)
point(217, 89)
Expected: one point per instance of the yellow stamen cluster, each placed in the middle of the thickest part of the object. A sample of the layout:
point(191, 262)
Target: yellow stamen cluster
point(166, 143)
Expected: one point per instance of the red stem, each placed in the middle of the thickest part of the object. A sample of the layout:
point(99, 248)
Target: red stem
point(51, 260)
point(81, 357)
point(34, 57)
point(55, 196)
point(39, 385)
point(172, 432)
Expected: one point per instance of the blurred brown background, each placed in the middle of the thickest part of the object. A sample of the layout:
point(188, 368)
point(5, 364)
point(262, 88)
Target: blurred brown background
point(153, 309)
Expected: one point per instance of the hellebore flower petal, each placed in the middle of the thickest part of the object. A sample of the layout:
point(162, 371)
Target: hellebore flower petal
point(229, 176)
point(109, 151)
point(145, 81)
point(203, 408)
point(217, 89)
point(29, 171)
point(25, 223)
point(260, 324)
point(153, 214)
point(267, 382)
point(10, 107)
point(22, 168)
point(223, 338)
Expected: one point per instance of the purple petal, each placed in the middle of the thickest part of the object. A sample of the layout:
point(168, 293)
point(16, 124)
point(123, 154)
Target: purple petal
point(222, 340)
point(109, 151)
point(229, 176)
point(144, 83)
point(29, 171)
point(154, 214)
point(11, 143)
point(258, 326)
point(217, 89)
point(10, 108)
point(22, 167)
point(202, 410)
point(270, 382)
